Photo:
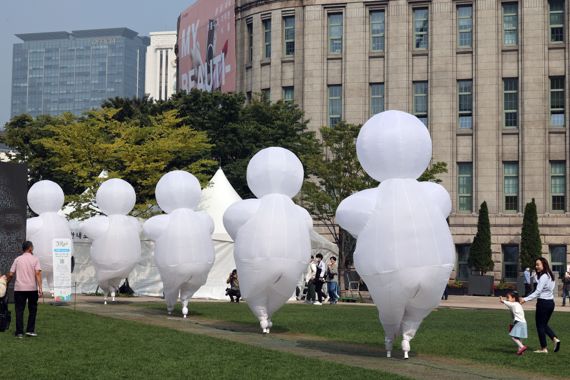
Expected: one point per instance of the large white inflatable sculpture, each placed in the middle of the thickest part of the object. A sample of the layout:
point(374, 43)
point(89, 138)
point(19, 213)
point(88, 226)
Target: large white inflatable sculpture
point(271, 233)
point(404, 249)
point(116, 246)
point(46, 198)
point(184, 251)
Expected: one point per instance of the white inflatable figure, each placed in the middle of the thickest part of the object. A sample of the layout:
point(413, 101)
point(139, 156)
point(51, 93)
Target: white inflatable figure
point(183, 250)
point(271, 233)
point(404, 250)
point(116, 246)
point(46, 198)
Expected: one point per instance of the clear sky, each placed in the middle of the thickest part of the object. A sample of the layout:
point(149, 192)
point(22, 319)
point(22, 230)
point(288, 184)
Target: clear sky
point(32, 16)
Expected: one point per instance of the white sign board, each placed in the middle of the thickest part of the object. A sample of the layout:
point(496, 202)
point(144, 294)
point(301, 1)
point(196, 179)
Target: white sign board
point(61, 253)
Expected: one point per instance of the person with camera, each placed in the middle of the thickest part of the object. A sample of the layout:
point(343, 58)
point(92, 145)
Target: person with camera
point(233, 290)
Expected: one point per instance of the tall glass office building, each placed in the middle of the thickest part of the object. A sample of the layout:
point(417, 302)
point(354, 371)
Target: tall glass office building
point(60, 72)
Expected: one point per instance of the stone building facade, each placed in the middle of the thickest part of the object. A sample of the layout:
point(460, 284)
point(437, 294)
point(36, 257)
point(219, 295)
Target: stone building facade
point(487, 77)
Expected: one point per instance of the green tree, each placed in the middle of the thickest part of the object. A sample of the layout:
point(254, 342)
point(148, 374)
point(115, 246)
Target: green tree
point(480, 255)
point(531, 245)
point(335, 174)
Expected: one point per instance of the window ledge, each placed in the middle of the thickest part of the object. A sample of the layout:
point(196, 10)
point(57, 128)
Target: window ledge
point(288, 58)
point(464, 51)
point(376, 54)
point(557, 130)
point(510, 131)
point(464, 131)
point(510, 48)
point(419, 53)
point(265, 61)
point(556, 45)
point(248, 65)
point(332, 57)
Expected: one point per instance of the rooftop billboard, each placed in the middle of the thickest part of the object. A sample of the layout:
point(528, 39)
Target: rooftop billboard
point(206, 46)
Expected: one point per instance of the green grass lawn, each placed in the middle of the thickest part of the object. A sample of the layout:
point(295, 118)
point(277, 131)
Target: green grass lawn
point(76, 345)
point(478, 335)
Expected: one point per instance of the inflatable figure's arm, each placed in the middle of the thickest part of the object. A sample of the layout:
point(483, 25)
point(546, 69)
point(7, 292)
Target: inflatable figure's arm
point(95, 226)
point(33, 226)
point(353, 212)
point(238, 214)
point(155, 226)
point(438, 195)
point(306, 216)
point(207, 220)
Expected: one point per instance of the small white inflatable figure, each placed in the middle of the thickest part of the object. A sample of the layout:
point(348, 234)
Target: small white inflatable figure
point(404, 250)
point(183, 250)
point(271, 233)
point(46, 198)
point(116, 246)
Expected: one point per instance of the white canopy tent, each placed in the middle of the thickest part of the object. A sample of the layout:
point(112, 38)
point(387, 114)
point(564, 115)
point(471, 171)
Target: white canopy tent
point(145, 278)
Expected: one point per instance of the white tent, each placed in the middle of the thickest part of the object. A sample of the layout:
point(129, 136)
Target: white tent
point(145, 278)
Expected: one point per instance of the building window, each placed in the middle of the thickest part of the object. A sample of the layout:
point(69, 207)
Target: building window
point(465, 26)
point(510, 24)
point(558, 259)
point(421, 101)
point(376, 98)
point(465, 186)
point(511, 102)
point(289, 35)
point(377, 28)
point(465, 91)
point(558, 185)
point(557, 102)
point(248, 97)
point(510, 262)
point(250, 42)
point(462, 271)
point(421, 22)
point(556, 20)
point(266, 94)
point(335, 105)
point(335, 33)
point(288, 94)
point(267, 38)
point(511, 185)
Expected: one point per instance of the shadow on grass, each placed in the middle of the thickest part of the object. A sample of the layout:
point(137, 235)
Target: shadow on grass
point(334, 347)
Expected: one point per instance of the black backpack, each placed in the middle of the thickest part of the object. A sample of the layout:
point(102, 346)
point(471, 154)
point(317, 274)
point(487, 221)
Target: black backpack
point(5, 315)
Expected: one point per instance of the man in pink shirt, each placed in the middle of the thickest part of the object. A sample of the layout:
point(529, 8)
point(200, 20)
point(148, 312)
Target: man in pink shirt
point(28, 288)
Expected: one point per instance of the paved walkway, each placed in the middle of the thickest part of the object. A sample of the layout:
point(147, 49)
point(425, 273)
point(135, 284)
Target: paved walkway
point(364, 356)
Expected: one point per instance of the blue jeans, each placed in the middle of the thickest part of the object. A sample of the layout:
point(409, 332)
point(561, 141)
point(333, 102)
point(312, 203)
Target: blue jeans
point(333, 291)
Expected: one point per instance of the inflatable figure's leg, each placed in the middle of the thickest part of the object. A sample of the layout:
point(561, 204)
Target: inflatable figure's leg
point(279, 293)
point(258, 306)
point(170, 297)
point(185, 308)
point(385, 291)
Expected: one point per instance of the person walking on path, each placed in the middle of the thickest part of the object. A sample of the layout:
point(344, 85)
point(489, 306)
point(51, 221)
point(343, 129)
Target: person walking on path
point(28, 288)
point(518, 328)
point(565, 287)
point(527, 282)
point(544, 304)
point(310, 278)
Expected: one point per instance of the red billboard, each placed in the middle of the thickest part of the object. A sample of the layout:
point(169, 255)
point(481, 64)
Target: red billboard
point(206, 46)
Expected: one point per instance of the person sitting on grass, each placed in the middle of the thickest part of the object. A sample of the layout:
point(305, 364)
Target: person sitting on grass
point(518, 328)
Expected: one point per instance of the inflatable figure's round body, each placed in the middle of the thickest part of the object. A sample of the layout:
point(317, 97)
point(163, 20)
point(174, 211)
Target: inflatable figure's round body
point(271, 234)
point(183, 250)
point(46, 199)
point(404, 250)
point(116, 247)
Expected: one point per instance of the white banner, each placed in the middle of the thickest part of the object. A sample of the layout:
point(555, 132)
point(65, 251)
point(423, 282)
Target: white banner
point(61, 253)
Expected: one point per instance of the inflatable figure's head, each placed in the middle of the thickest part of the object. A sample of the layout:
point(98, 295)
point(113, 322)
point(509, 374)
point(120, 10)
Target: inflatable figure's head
point(177, 189)
point(116, 196)
point(45, 196)
point(393, 144)
point(275, 170)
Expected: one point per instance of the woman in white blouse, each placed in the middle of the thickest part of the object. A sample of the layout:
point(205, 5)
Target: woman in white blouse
point(544, 304)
